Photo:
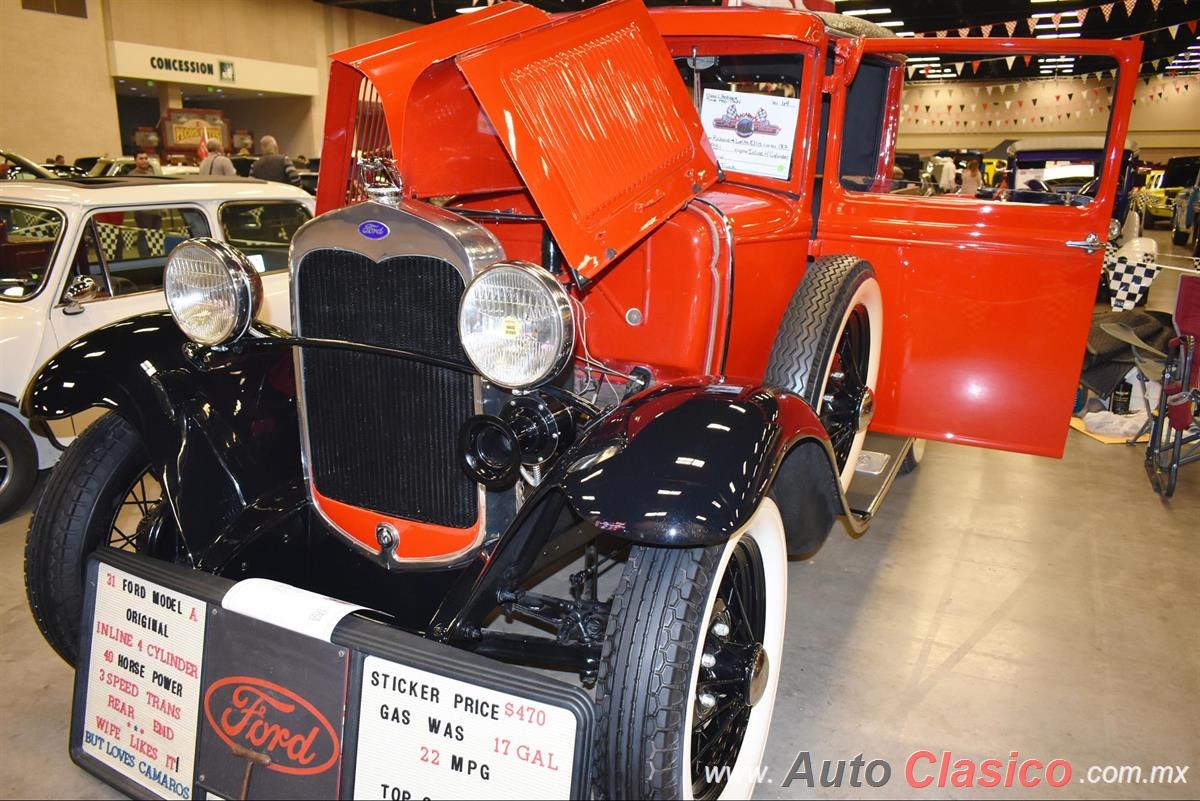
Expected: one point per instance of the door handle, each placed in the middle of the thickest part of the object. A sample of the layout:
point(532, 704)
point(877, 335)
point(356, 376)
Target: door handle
point(1091, 243)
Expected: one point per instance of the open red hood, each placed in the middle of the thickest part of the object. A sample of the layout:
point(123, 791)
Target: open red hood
point(603, 132)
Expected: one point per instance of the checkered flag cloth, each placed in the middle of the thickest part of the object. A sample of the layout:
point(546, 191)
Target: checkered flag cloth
point(44, 231)
point(1129, 281)
point(156, 242)
point(110, 239)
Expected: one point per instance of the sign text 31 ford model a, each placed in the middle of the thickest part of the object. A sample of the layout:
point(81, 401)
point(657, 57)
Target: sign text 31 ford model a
point(614, 288)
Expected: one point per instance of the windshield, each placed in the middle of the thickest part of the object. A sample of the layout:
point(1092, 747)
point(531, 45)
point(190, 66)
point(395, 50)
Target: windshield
point(750, 108)
point(1181, 171)
point(29, 237)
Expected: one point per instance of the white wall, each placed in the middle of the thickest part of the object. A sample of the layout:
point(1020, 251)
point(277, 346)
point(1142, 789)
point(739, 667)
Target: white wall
point(1164, 122)
point(56, 95)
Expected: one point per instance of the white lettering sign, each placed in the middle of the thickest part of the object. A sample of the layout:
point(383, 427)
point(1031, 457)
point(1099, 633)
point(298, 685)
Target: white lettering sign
point(143, 686)
point(751, 133)
point(422, 735)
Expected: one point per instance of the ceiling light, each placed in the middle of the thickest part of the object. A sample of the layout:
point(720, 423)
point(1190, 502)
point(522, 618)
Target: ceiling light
point(891, 24)
point(1058, 36)
point(470, 9)
point(905, 33)
point(1060, 25)
point(867, 12)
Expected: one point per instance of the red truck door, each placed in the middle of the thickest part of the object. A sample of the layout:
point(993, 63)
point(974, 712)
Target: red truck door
point(987, 301)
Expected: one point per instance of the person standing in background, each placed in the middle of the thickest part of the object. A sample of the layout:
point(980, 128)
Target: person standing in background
point(141, 165)
point(216, 162)
point(271, 166)
point(972, 180)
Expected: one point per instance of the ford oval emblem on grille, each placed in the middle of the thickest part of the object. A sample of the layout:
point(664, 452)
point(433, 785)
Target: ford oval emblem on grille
point(373, 229)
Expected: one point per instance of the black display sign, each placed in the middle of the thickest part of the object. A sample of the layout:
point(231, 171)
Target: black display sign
point(271, 722)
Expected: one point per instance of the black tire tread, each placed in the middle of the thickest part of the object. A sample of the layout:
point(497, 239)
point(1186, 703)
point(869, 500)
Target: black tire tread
point(646, 671)
point(62, 520)
point(808, 333)
point(24, 465)
point(1179, 237)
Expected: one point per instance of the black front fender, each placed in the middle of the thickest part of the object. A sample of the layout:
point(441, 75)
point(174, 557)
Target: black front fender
point(687, 464)
point(220, 428)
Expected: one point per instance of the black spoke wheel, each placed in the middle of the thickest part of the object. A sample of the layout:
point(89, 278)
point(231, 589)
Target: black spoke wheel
point(99, 494)
point(690, 666)
point(846, 388)
point(827, 351)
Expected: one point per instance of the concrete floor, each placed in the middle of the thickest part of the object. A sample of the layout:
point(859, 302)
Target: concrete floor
point(999, 603)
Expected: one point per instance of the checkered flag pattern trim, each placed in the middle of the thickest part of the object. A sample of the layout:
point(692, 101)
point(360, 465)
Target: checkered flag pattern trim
point(1129, 281)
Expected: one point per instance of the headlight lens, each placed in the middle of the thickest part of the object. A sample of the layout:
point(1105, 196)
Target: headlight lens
point(212, 290)
point(1114, 229)
point(516, 324)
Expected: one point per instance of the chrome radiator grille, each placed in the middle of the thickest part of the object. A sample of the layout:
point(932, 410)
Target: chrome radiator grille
point(383, 430)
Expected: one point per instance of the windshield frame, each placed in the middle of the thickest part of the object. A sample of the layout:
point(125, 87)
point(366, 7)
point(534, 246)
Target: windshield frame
point(54, 253)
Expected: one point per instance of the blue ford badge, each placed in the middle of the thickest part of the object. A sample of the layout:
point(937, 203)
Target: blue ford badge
point(373, 229)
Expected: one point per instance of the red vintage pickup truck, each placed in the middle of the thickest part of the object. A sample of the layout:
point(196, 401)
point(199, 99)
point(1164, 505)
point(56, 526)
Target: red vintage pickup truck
point(626, 291)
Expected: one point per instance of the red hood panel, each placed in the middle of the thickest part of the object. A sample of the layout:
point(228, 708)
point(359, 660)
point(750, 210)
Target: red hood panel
point(592, 111)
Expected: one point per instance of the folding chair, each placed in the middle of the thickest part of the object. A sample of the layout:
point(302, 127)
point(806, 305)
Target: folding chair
point(1174, 433)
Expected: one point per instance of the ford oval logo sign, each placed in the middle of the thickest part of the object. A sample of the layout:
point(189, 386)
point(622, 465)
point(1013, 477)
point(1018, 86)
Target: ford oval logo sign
point(373, 229)
point(273, 720)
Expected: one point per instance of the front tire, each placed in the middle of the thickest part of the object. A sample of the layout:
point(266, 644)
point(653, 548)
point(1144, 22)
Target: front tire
point(691, 665)
point(18, 464)
point(1179, 237)
point(97, 495)
point(827, 351)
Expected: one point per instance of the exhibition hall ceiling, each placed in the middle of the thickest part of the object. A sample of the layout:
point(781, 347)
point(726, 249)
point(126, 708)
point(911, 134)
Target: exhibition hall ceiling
point(1166, 27)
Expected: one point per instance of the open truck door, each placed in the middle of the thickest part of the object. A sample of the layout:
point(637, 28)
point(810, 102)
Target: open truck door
point(988, 294)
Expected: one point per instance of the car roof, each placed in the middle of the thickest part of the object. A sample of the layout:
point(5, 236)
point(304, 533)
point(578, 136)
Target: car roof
point(1053, 143)
point(149, 189)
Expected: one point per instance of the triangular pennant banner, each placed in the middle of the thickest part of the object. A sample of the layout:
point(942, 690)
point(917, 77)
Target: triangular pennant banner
point(1082, 14)
point(986, 30)
point(1032, 23)
point(1174, 29)
point(941, 34)
point(911, 69)
point(1010, 60)
point(1107, 10)
point(1028, 60)
point(1070, 95)
point(1129, 6)
point(1007, 104)
point(1056, 18)
point(964, 32)
point(975, 66)
point(1154, 4)
point(1192, 25)
point(1010, 26)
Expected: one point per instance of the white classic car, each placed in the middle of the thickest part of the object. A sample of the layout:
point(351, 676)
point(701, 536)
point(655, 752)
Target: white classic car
point(78, 254)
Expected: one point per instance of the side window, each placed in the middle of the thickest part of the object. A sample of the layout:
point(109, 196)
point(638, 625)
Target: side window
point(126, 251)
point(263, 230)
point(1013, 129)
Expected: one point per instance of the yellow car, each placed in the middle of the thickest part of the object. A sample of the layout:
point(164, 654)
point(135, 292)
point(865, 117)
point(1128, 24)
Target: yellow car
point(1163, 185)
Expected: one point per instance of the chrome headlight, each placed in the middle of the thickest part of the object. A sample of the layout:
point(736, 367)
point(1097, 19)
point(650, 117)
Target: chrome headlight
point(516, 324)
point(212, 290)
point(1114, 229)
